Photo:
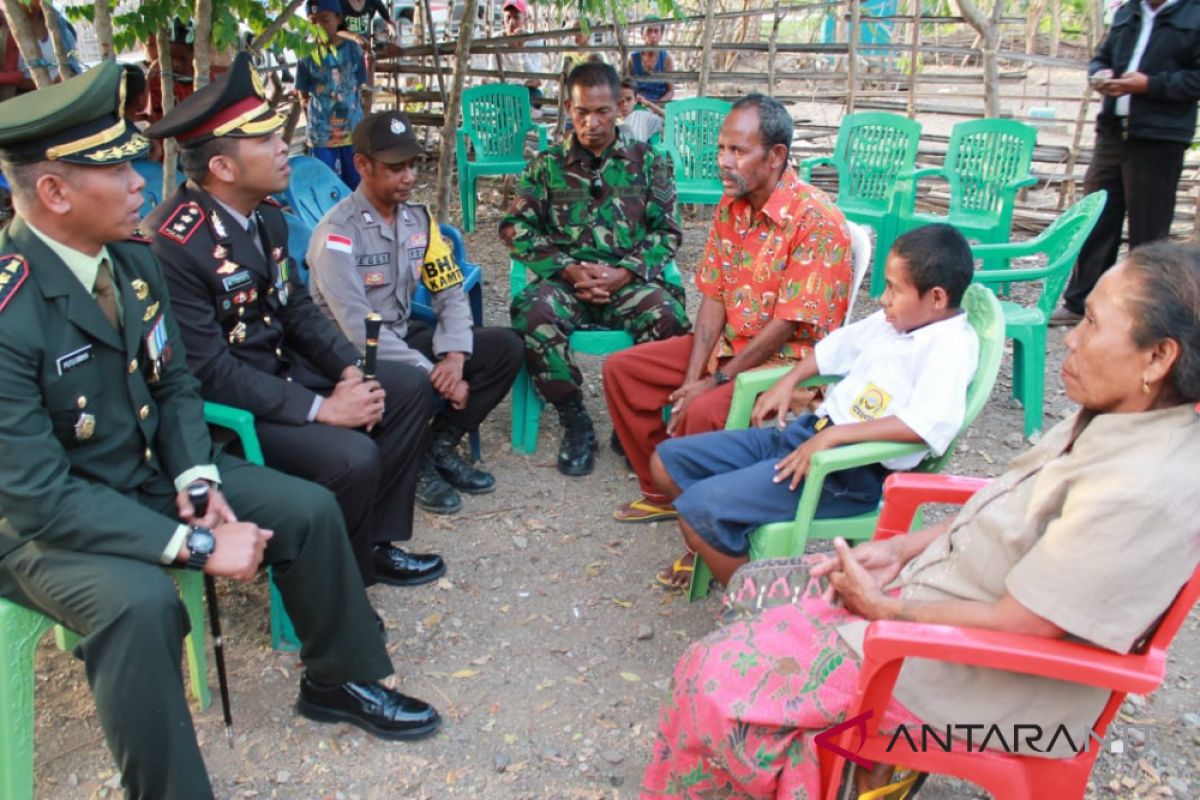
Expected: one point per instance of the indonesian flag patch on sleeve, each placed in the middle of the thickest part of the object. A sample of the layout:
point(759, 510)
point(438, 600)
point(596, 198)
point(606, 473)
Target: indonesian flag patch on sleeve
point(342, 244)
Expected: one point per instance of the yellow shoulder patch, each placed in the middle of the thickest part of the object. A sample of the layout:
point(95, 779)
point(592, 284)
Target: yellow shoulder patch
point(439, 272)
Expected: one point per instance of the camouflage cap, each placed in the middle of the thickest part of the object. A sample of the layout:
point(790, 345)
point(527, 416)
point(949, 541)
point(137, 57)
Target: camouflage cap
point(79, 121)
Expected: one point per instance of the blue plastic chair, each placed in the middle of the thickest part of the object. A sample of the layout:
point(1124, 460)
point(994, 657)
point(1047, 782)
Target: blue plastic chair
point(299, 234)
point(152, 192)
point(313, 189)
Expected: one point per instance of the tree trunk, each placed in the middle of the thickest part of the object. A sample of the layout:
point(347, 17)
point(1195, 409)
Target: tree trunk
point(988, 30)
point(27, 41)
point(202, 66)
point(437, 61)
point(261, 40)
point(60, 48)
point(102, 22)
point(914, 54)
point(706, 48)
point(852, 53)
point(462, 60)
point(771, 45)
point(622, 45)
point(170, 149)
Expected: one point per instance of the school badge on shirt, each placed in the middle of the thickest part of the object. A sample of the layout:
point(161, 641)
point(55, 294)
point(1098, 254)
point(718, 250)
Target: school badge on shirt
point(870, 403)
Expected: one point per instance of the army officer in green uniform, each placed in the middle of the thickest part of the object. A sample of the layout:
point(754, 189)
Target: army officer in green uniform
point(101, 431)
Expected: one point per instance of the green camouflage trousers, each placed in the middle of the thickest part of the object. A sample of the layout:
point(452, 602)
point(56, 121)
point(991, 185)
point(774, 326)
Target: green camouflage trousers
point(547, 313)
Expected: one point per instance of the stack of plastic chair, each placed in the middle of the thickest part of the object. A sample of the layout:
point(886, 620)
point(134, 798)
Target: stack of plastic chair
point(497, 119)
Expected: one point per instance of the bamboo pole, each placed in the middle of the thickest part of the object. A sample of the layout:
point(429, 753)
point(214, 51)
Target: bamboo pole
point(50, 15)
point(269, 32)
point(706, 47)
point(1073, 155)
point(167, 79)
point(102, 22)
point(437, 61)
point(913, 53)
point(446, 157)
point(202, 67)
point(772, 48)
point(27, 41)
point(852, 54)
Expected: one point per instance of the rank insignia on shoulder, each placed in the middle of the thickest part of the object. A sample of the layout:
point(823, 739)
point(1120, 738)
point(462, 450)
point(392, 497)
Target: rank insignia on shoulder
point(214, 219)
point(183, 223)
point(220, 252)
point(228, 268)
point(14, 269)
point(140, 288)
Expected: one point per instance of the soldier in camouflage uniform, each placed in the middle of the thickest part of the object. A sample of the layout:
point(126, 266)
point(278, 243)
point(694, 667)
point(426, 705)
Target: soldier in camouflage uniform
point(594, 220)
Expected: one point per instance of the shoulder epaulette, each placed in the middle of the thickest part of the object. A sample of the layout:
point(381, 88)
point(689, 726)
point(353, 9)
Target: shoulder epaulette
point(14, 269)
point(183, 223)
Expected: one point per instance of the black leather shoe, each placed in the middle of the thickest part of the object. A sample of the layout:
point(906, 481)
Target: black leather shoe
point(399, 568)
point(458, 472)
point(433, 493)
point(371, 706)
point(576, 451)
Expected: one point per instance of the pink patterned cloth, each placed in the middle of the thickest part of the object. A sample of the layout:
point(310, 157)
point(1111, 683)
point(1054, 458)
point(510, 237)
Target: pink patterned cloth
point(747, 700)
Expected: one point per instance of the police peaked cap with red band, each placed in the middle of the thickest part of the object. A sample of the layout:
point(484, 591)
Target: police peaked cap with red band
point(233, 105)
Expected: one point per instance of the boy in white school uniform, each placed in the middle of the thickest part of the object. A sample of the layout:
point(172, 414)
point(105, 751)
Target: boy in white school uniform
point(906, 370)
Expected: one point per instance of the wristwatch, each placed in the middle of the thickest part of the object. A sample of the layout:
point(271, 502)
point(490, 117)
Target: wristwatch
point(721, 378)
point(200, 545)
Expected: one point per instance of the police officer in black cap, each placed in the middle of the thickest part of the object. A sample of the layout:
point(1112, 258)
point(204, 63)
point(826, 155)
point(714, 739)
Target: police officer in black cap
point(256, 340)
point(102, 431)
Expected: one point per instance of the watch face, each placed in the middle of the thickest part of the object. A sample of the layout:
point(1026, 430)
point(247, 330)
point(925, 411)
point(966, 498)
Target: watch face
point(201, 541)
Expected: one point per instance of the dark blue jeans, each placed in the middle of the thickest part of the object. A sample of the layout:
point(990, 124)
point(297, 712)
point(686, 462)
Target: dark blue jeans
point(341, 161)
point(728, 491)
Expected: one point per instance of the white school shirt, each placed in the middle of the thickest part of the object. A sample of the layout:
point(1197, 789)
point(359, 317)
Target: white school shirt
point(1139, 50)
point(920, 377)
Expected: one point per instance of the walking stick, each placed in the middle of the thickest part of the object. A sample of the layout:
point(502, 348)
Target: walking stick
point(198, 494)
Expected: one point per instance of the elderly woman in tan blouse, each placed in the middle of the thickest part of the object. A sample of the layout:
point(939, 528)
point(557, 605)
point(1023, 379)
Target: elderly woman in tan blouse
point(1088, 535)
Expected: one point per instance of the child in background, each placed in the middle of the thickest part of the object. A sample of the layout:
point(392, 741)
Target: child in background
point(905, 368)
point(329, 82)
point(638, 123)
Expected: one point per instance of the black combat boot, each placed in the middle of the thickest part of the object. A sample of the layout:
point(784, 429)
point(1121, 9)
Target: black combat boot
point(575, 456)
point(433, 493)
point(458, 472)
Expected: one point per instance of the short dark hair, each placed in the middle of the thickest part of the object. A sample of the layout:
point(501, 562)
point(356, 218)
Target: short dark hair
point(937, 255)
point(589, 73)
point(775, 124)
point(629, 83)
point(1166, 305)
point(194, 160)
point(135, 86)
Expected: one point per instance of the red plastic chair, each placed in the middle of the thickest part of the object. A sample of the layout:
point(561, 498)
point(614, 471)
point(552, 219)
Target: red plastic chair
point(1005, 776)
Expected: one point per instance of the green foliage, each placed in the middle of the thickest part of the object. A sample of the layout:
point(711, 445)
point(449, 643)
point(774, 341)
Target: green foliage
point(602, 11)
point(230, 18)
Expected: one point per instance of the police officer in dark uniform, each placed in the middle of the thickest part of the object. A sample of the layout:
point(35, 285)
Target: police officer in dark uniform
point(102, 430)
point(256, 340)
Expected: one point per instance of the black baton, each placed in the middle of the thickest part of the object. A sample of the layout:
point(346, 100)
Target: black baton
point(198, 494)
point(371, 354)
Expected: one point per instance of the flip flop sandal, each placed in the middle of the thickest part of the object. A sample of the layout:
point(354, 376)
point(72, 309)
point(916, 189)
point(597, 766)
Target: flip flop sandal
point(677, 568)
point(643, 510)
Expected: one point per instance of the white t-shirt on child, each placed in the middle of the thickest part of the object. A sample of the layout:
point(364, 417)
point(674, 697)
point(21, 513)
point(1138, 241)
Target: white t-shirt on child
point(920, 377)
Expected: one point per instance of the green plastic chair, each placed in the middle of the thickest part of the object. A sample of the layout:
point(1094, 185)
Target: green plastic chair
point(786, 539)
point(526, 405)
point(690, 129)
point(496, 119)
point(872, 150)
point(241, 422)
point(986, 164)
point(1026, 325)
point(20, 631)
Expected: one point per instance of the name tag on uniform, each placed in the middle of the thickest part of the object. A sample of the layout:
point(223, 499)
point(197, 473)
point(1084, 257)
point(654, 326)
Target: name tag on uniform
point(236, 280)
point(76, 358)
point(374, 259)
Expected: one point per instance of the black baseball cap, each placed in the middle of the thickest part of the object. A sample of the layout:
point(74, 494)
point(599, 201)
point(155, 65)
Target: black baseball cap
point(387, 136)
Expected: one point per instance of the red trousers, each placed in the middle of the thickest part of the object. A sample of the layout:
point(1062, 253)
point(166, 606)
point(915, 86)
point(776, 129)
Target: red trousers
point(637, 383)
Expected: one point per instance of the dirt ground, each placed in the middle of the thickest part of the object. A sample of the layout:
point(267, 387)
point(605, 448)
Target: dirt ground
point(547, 647)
